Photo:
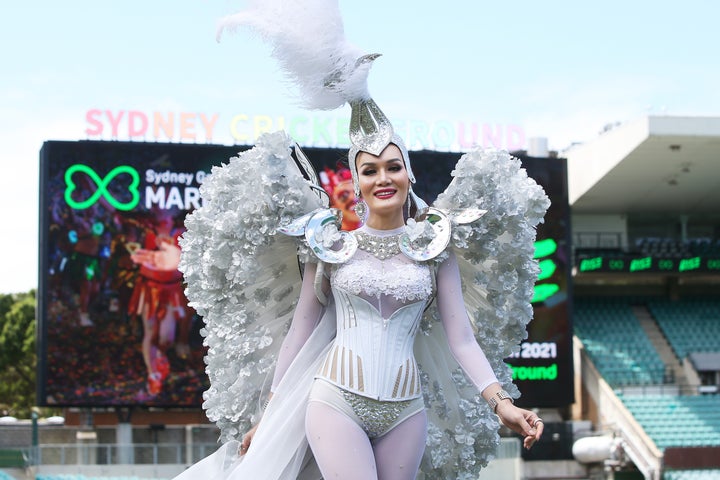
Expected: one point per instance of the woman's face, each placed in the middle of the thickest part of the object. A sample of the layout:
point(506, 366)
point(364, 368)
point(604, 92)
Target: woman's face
point(383, 180)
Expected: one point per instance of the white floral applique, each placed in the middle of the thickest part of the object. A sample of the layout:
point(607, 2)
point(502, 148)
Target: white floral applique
point(404, 281)
point(419, 231)
point(328, 235)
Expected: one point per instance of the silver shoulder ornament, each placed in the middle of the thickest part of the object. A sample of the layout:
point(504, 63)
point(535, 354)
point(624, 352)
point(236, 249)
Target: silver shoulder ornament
point(424, 239)
point(321, 233)
point(427, 238)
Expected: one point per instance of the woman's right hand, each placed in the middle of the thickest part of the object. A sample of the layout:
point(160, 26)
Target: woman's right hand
point(247, 440)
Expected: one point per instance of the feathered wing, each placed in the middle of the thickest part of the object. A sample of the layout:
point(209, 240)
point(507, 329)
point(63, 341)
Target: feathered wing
point(308, 41)
point(242, 275)
point(495, 257)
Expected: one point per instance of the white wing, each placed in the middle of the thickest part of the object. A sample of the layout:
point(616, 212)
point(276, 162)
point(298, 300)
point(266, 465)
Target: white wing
point(495, 257)
point(242, 275)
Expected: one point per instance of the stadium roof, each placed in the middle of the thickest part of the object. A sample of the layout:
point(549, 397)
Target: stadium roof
point(655, 165)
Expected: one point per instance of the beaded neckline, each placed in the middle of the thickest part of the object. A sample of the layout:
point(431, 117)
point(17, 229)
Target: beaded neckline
point(380, 246)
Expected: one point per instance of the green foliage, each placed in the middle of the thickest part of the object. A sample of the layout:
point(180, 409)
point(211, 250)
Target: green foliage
point(17, 354)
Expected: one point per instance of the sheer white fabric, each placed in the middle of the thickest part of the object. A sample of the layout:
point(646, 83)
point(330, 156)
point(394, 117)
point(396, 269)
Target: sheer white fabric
point(395, 455)
point(279, 449)
point(306, 317)
point(457, 327)
point(389, 285)
point(241, 277)
point(386, 284)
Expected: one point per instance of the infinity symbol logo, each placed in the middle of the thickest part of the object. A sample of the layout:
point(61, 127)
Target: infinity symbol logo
point(102, 184)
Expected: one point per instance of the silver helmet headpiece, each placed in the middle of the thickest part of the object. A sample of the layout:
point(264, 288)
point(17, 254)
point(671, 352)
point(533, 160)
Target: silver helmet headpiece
point(372, 132)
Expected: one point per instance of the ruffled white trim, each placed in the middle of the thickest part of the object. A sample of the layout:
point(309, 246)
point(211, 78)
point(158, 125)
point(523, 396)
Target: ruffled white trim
point(405, 282)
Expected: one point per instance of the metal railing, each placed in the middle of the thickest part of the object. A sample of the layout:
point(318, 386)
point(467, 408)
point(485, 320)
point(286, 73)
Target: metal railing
point(638, 446)
point(115, 454)
point(598, 240)
point(157, 454)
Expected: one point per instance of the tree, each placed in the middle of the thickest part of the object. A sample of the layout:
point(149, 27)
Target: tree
point(17, 353)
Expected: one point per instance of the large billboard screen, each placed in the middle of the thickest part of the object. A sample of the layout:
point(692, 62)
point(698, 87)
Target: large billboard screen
point(114, 326)
point(543, 368)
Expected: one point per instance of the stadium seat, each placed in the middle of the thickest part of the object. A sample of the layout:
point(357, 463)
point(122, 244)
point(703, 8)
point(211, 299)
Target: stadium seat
point(616, 342)
point(689, 325)
point(678, 421)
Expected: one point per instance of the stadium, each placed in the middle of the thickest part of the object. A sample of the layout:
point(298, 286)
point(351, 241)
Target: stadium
point(622, 360)
point(644, 199)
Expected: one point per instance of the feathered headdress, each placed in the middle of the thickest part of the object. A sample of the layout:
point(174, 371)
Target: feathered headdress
point(308, 41)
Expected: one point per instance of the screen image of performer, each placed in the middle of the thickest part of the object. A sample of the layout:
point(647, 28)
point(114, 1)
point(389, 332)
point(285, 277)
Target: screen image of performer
point(385, 359)
point(158, 299)
point(338, 184)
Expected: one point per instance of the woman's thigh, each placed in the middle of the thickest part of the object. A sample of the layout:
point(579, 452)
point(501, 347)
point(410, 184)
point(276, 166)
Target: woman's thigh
point(398, 453)
point(340, 446)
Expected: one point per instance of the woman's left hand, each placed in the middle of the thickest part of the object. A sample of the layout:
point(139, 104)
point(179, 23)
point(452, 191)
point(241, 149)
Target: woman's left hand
point(522, 421)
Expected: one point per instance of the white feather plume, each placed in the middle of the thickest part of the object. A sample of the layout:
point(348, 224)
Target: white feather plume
point(308, 40)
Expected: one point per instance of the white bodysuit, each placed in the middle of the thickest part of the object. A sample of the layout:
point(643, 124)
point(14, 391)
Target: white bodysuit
point(379, 304)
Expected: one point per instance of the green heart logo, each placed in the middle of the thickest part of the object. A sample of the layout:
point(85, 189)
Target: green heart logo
point(102, 184)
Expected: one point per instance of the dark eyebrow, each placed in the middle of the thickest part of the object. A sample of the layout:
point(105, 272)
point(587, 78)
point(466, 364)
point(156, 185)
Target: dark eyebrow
point(373, 164)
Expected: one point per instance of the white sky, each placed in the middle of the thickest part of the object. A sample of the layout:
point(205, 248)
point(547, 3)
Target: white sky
point(557, 69)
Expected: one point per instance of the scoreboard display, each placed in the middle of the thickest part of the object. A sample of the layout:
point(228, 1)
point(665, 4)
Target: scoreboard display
point(543, 367)
point(114, 326)
point(646, 264)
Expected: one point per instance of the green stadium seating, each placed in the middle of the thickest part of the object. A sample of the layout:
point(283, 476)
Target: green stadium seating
point(12, 459)
point(616, 342)
point(678, 421)
point(708, 474)
point(690, 325)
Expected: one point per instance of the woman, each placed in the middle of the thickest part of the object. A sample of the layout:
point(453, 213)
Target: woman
point(339, 432)
point(330, 372)
point(366, 382)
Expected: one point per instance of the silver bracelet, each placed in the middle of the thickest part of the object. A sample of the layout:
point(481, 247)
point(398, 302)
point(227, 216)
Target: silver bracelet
point(495, 399)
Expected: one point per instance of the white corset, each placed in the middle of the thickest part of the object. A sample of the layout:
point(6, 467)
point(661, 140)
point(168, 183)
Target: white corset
point(373, 356)
point(379, 304)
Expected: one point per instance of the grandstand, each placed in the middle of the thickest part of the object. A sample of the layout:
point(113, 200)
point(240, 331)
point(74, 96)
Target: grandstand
point(645, 202)
point(616, 342)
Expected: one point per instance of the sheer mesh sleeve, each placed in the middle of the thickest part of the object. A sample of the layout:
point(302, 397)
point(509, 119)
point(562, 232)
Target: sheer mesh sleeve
point(306, 317)
point(457, 327)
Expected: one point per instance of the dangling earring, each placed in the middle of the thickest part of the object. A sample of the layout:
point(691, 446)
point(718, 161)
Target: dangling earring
point(361, 210)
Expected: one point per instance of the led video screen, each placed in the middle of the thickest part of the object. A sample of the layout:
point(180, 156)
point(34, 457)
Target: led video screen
point(543, 369)
point(114, 326)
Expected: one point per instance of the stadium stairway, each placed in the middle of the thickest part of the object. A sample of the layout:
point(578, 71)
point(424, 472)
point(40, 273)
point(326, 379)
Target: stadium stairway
point(617, 344)
point(661, 345)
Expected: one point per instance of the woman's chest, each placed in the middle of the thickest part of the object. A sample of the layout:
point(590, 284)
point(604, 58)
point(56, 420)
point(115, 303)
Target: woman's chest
point(397, 277)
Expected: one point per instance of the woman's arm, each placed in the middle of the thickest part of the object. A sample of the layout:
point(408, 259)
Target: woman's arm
point(470, 356)
point(458, 330)
point(306, 317)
